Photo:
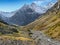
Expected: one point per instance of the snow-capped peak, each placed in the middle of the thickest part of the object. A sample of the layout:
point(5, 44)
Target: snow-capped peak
point(37, 8)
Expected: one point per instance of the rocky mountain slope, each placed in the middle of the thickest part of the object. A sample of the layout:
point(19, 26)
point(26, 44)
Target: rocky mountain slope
point(27, 14)
point(7, 14)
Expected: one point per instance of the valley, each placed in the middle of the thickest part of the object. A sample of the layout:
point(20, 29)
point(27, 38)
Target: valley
point(29, 27)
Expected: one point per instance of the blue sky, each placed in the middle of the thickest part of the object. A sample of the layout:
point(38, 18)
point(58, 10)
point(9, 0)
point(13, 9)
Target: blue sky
point(12, 5)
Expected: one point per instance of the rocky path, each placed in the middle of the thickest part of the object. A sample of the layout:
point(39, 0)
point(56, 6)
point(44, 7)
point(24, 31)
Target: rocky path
point(41, 39)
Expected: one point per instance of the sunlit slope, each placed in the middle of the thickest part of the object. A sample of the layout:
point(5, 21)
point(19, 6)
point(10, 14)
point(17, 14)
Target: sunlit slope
point(53, 29)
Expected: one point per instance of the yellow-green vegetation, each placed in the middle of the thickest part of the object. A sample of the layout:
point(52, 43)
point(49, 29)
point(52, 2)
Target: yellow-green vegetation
point(9, 33)
point(15, 38)
point(53, 28)
point(13, 32)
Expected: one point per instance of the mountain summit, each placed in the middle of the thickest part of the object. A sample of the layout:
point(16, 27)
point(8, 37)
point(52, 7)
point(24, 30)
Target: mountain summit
point(27, 14)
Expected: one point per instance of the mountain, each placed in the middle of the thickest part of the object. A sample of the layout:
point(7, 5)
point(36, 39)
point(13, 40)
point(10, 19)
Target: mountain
point(49, 23)
point(27, 14)
point(34, 33)
point(24, 15)
point(42, 19)
point(0, 18)
point(7, 14)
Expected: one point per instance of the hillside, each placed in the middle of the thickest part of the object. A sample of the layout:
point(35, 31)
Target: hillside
point(12, 33)
point(49, 23)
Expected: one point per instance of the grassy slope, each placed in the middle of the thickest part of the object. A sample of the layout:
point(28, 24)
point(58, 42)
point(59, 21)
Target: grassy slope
point(13, 33)
point(53, 28)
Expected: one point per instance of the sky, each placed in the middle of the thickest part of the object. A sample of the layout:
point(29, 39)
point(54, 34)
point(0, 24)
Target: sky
point(12, 5)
